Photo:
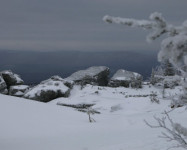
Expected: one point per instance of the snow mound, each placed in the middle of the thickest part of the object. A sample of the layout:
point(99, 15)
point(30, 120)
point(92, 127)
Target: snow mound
point(49, 89)
point(97, 75)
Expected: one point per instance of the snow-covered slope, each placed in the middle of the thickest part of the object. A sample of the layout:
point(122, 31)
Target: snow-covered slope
point(31, 125)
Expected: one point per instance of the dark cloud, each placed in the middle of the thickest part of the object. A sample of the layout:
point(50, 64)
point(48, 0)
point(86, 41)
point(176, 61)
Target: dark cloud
point(77, 24)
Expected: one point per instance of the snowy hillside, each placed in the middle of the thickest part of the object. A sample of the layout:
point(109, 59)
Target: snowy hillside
point(32, 125)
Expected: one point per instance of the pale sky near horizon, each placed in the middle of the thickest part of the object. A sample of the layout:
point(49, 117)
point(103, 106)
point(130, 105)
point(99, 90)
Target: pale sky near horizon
point(46, 25)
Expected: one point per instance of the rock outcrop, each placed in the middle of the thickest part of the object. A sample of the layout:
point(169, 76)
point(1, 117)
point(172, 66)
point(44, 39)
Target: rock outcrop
point(18, 90)
point(11, 78)
point(126, 78)
point(3, 86)
point(97, 75)
point(50, 89)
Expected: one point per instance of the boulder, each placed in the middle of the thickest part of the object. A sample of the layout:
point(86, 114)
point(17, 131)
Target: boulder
point(66, 82)
point(126, 79)
point(18, 90)
point(11, 78)
point(50, 89)
point(3, 86)
point(97, 75)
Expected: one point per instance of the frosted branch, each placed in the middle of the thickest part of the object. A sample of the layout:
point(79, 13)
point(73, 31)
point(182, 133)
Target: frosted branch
point(156, 23)
point(176, 133)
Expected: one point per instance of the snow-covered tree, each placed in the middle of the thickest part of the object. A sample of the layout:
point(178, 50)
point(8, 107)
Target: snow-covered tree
point(168, 68)
point(173, 48)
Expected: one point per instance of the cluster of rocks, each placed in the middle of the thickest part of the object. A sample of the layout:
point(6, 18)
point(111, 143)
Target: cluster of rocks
point(11, 83)
point(55, 86)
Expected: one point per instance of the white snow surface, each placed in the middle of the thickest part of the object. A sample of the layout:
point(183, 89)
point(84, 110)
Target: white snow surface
point(91, 72)
point(32, 125)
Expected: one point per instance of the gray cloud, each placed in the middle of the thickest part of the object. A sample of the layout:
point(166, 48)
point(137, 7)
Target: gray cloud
point(77, 24)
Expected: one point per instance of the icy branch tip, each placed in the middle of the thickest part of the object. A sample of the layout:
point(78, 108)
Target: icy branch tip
point(107, 19)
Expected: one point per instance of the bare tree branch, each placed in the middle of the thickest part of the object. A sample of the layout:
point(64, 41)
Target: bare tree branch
point(174, 134)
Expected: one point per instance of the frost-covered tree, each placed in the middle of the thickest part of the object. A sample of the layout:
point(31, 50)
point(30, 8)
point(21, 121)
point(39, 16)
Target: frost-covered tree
point(173, 48)
point(168, 68)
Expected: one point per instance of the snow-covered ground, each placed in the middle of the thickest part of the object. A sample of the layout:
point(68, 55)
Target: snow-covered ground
point(32, 125)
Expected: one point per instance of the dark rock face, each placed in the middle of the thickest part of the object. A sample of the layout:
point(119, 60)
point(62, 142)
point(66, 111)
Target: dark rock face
point(126, 79)
point(97, 75)
point(49, 89)
point(48, 95)
point(3, 86)
point(11, 78)
point(18, 90)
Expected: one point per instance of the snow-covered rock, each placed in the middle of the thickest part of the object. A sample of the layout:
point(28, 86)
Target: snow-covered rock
point(18, 90)
point(97, 75)
point(49, 89)
point(68, 83)
point(126, 79)
point(3, 86)
point(11, 78)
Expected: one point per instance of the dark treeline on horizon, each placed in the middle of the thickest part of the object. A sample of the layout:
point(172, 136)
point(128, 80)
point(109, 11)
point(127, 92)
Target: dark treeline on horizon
point(34, 66)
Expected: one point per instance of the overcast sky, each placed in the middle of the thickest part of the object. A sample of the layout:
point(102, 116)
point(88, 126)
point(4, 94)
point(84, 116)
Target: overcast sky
point(77, 24)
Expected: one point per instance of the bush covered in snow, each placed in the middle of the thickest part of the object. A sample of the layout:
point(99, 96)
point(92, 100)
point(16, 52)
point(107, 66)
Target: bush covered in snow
point(171, 81)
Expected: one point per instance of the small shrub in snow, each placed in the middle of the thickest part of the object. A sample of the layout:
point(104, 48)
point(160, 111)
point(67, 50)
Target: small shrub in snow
point(154, 98)
point(90, 111)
